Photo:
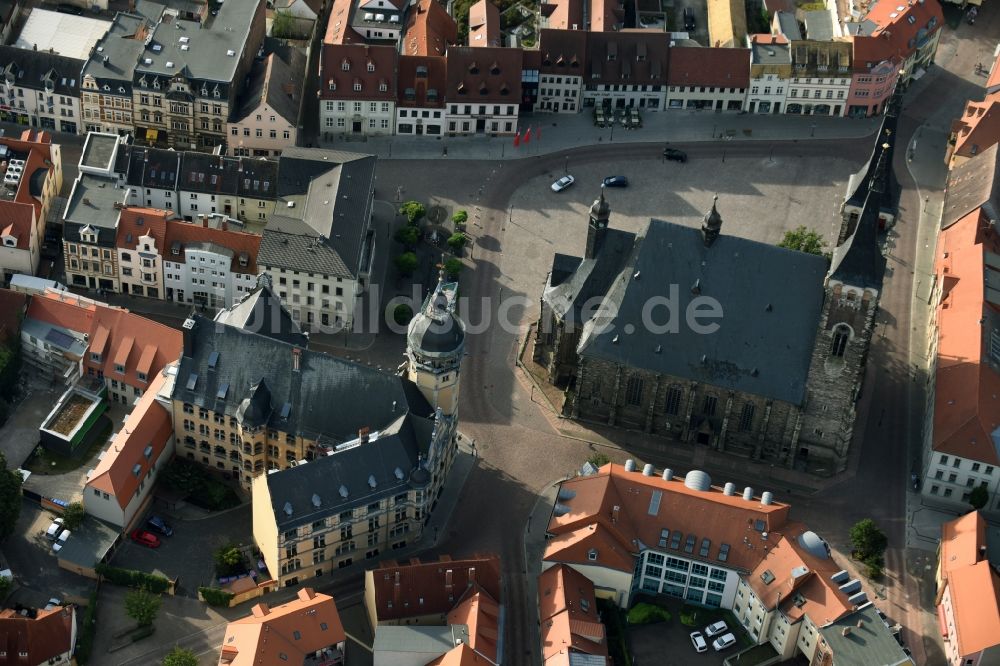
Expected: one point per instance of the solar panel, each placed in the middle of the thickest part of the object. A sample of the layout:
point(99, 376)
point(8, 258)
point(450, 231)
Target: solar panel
point(60, 338)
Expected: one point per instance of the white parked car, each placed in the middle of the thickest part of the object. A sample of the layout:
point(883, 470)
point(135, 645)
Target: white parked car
point(698, 641)
point(723, 642)
point(60, 542)
point(715, 628)
point(563, 183)
point(54, 529)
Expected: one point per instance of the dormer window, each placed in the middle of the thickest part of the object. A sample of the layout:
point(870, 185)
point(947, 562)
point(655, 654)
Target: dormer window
point(495, 69)
point(371, 66)
point(461, 88)
point(410, 94)
point(473, 67)
point(357, 86)
point(120, 369)
point(345, 65)
point(421, 72)
point(383, 86)
point(592, 554)
point(332, 84)
point(432, 94)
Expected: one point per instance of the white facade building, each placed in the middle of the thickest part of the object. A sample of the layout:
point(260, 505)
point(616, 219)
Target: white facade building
point(205, 276)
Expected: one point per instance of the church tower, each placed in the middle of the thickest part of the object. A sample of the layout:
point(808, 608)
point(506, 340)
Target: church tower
point(435, 343)
point(597, 227)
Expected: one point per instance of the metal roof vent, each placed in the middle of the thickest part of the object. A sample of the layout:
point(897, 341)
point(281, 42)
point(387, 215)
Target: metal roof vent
point(668, 474)
point(288, 508)
point(343, 491)
point(697, 480)
point(767, 498)
point(730, 489)
point(647, 469)
point(371, 481)
point(748, 493)
point(399, 474)
point(316, 500)
point(629, 465)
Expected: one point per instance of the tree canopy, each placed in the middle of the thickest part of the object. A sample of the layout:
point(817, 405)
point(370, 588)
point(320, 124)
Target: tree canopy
point(803, 240)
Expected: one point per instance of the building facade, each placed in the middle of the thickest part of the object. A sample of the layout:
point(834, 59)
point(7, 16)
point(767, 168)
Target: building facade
point(358, 89)
point(770, 73)
point(40, 89)
point(821, 78)
point(563, 64)
point(266, 120)
point(106, 88)
point(484, 90)
point(716, 78)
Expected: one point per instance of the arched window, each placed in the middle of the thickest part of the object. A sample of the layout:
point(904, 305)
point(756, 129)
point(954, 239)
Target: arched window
point(633, 391)
point(841, 334)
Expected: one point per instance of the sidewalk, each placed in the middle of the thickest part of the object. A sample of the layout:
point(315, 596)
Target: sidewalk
point(562, 132)
point(534, 547)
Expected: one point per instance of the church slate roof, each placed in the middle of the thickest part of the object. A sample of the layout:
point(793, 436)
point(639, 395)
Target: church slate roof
point(261, 312)
point(859, 261)
point(575, 281)
point(764, 341)
point(327, 397)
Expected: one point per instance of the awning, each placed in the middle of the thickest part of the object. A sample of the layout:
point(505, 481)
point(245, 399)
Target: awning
point(151, 134)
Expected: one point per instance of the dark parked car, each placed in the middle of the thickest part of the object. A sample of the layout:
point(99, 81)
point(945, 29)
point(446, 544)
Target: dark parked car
point(688, 19)
point(675, 155)
point(65, 8)
point(157, 524)
point(616, 181)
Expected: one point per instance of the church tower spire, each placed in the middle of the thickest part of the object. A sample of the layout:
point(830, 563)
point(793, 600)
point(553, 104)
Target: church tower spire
point(711, 225)
point(597, 228)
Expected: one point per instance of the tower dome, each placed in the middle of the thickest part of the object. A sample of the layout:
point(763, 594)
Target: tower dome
point(436, 331)
point(711, 225)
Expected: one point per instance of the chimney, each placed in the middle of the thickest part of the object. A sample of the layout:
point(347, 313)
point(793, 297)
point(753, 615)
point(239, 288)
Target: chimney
point(187, 330)
point(448, 580)
point(395, 589)
point(472, 575)
point(296, 358)
point(225, 225)
point(260, 610)
point(306, 593)
point(363, 434)
point(204, 221)
point(614, 513)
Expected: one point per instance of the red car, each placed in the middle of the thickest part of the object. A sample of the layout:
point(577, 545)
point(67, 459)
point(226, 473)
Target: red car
point(147, 539)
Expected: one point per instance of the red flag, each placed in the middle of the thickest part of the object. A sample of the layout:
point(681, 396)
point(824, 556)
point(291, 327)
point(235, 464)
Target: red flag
point(538, 133)
point(527, 135)
point(517, 139)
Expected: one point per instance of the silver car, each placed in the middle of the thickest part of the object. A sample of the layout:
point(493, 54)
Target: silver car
point(723, 642)
point(698, 641)
point(563, 183)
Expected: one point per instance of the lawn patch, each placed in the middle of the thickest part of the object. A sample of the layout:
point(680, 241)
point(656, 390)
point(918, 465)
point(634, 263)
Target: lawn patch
point(643, 613)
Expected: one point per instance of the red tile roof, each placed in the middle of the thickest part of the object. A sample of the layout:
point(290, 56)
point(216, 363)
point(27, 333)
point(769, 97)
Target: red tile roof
point(441, 585)
point(21, 214)
point(436, 79)
point(373, 67)
point(461, 655)
point(563, 14)
point(484, 24)
point(606, 15)
point(962, 540)
point(135, 223)
point(46, 636)
point(481, 614)
point(588, 519)
point(979, 127)
point(630, 57)
point(338, 26)
point(567, 610)
point(975, 600)
point(430, 29)
point(967, 389)
point(484, 75)
point(297, 629)
point(563, 52)
point(184, 233)
point(993, 83)
point(18, 221)
point(125, 463)
point(899, 36)
point(719, 68)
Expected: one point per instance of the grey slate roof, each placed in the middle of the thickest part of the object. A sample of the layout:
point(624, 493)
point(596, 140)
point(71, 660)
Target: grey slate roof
point(764, 341)
point(98, 150)
point(871, 644)
point(206, 57)
point(218, 174)
point(420, 639)
point(269, 86)
point(261, 312)
point(114, 56)
point(858, 183)
point(770, 54)
point(300, 249)
point(859, 261)
point(819, 25)
point(152, 167)
point(575, 281)
point(971, 184)
point(389, 459)
point(329, 398)
point(30, 69)
point(789, 26)
point(92, 202)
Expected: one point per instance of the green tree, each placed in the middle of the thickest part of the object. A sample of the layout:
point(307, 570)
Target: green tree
point(868, 540)
point(142, 606)
point(283, 25)
point(73, 515)
point(228, 559)
point(180, 657)
point(5, 585)
point(803, 240)
point(460, 218)
point(979, 496)
point(453, 267)
point(402, 314)
point(407, 235)
point(598, 459)
point(10, 498)
point(413, 211)
point(406, 263)
point(457, 241)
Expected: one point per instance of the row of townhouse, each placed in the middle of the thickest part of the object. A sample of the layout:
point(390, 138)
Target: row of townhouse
point(169, 77)
point(199, 228)
point(630, 532)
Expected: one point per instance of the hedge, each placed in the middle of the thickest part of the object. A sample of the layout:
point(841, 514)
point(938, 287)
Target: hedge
point(85, 643)
point(131, 578)
point(213, 596)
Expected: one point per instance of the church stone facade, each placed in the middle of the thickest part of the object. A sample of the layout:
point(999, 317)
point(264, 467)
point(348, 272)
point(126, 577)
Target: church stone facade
point(779, 379)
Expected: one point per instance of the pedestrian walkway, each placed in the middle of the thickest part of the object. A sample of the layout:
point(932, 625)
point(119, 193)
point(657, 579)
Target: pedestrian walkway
point(555, 133)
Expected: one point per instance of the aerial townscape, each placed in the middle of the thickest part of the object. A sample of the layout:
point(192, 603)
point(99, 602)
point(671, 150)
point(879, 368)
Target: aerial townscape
point(499, 332)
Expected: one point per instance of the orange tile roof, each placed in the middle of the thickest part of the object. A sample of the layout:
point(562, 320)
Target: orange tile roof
point(481, 614)
point(441, 585)
point(186, 233)
point(46, 636)
point(18, 221)
point(338, 26)
point(136, 222)
point(967, 389)
point(484, 24)
point(895, 29)
point(718, 67)
point(563, 14)
point(962, 540)
point(591, 501)
point(429, 30)
point(768, 38)
point(296, 629)
point(979, 126)
point(567, 610)
point(148, 425)
point(605, 15)
point(993, 83)
point(799, 581)
point(22, 213)
point(975, 601)
point(591, 544)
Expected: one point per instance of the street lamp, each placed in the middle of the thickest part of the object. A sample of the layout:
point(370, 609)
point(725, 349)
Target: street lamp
point(566, 165)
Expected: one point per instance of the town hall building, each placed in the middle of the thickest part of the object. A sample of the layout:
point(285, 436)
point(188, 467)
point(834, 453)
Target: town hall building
point(770, 368)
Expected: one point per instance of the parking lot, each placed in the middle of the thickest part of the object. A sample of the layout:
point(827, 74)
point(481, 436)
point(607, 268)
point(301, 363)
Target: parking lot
point(652, 642)
point(187, 555)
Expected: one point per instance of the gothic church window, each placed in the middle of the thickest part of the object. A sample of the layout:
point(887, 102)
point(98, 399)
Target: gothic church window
point(633, 391)
point(673, 400)
point(746, 417)
point(840, 336)
point(708, 406)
